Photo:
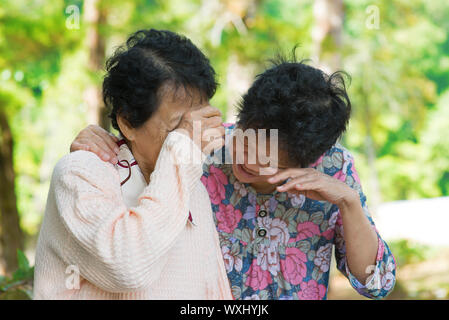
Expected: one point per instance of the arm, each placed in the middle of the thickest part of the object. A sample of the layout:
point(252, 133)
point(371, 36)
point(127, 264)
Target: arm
point(120, 249)
point(380, 276)
point(360, 237)
point(361, 254)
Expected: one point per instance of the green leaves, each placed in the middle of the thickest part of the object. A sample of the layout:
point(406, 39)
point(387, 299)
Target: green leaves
point(24, 272)
point(19, 286)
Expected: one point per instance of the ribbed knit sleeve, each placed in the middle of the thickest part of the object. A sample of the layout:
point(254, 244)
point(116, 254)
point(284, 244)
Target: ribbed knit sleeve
point(121, 249)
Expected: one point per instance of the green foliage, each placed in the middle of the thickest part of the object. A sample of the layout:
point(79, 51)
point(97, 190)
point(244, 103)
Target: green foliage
point(398, 72)
point(19, 286)
point(407, 252)
point(399, 89)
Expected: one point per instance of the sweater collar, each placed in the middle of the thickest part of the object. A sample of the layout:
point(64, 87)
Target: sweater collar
point(132, 180)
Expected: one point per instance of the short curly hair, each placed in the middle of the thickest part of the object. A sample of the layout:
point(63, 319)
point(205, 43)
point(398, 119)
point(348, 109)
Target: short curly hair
point(138, 70)
point(309, 108)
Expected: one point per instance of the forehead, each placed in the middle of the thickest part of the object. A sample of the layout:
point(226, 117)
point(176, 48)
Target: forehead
point(253, 143)
point(175, 101)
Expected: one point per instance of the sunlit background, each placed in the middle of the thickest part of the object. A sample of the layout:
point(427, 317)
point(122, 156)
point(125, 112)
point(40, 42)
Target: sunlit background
point(51, 66)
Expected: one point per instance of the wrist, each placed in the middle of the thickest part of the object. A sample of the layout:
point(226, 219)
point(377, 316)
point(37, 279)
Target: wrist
point(185, 149)
point(349, 200)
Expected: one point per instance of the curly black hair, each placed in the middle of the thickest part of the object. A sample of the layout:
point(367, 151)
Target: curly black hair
point(148, 60)
point(309, 108)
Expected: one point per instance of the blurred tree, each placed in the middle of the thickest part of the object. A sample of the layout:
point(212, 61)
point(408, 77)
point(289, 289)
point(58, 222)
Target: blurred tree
point(11, 235)
point(399, 64)
point(95, 12)
point(390, 92)
point(29, 49)
point(327, 31)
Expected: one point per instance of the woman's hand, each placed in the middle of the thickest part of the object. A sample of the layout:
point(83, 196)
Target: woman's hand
point(97, 140)
point(316, 186)
point(204, 127)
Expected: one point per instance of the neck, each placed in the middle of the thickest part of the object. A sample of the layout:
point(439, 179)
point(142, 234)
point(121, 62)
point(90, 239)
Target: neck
point(146, 169)
point(146, 166)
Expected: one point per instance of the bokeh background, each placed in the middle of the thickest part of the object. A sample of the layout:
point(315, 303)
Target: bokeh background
point(52, 55)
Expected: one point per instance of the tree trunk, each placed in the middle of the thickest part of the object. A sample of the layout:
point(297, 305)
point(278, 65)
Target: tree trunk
point(238, 81)
point(95, 16)
point(328, 25)
point(370, 152)
point(376, 197)
point(11, 237)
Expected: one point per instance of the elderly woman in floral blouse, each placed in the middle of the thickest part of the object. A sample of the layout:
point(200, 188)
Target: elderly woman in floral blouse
point(277, 230)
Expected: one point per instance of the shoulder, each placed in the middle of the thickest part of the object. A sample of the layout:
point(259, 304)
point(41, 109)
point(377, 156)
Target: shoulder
point(85, 165)
point(335, 159)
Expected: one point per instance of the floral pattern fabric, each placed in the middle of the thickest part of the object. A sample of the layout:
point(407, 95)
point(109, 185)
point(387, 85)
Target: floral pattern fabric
point(279, 245)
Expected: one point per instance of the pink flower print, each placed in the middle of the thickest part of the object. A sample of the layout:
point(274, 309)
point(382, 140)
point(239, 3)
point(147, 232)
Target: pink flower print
point(323, 257)
point(264, 223)
point(311, 290)
point(387, 281)
point(329, 233)
point(215, 184)
point(251, 212)
point(257, 279)
point(316, 163)
point(306, 230)
point(271, 204)
point(228, 218)
point(240, 189)
point(297, 200)
point(340, 175)
point(278, 232)
point(231, 261)
point(294, 265)
point(333, 219)
point(268, 259)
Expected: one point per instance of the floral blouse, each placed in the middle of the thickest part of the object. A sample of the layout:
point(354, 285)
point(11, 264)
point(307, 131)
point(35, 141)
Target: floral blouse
point(279, 245)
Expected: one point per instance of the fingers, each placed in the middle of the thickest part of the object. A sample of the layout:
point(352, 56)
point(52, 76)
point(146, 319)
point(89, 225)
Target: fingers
point(299, 183)
point(94, 145)
point(211, 130)
point(101, 132)
point(75, 146)
point(288, 173)
point(213, 145)
point(108, 139)
point(209, 111)
point(107, 152)
point(97, 140)
point(212, 122)
point(213, 139)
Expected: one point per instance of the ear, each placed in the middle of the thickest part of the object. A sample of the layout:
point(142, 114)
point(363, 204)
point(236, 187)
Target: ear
point(125, 127)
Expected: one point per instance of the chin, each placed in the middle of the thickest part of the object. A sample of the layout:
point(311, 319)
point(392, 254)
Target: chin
point(244, 176)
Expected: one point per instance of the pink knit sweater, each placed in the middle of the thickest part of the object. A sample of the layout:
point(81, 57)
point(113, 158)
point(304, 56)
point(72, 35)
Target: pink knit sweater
point(93, 245)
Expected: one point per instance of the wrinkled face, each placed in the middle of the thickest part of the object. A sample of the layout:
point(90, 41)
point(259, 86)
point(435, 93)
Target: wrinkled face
point(147, 140)
point(251, 165)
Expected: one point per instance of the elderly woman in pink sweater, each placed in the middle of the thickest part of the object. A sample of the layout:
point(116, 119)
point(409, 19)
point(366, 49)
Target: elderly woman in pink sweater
point(143, 228)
